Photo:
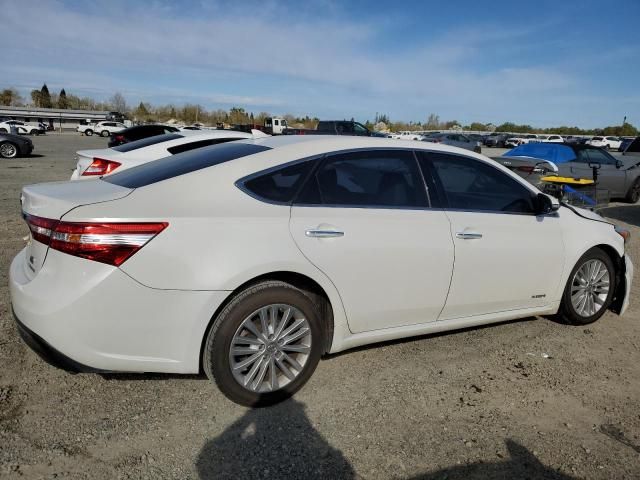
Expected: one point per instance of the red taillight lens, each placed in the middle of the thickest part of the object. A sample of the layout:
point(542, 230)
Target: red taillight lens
point(100, 166)
point(525, 169)
point(110, 243)
point(119, 138)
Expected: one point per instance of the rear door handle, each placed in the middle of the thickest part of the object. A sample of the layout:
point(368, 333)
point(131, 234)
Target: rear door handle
point(324, 233)
point(468, 235)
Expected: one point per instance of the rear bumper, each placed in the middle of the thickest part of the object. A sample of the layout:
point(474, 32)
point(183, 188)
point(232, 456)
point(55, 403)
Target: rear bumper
point(48, 353)
point(88, 316)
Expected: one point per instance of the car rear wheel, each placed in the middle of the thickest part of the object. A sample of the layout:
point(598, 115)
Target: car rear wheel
point(633, 195)
point(88, 133)
point(8, 150)
point(104, 133)
point(264, 345)
point(589, 290)
point(3, 130)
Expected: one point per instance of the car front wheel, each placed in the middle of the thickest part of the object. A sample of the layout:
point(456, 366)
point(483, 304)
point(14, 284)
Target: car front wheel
point(589, 290)
point(8, 150)
point(633, 195)
point(264, 345)
point(88, 133)
point(105, 133)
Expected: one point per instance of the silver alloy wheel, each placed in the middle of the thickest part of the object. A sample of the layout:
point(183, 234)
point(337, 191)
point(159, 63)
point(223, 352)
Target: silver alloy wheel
point(8, 150)
point(590, 287)
point(270, 348)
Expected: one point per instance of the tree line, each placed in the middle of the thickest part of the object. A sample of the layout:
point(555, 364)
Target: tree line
point(194, 113)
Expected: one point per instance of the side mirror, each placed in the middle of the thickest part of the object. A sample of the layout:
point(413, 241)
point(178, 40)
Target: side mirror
point(619, 164)
point(546, 204)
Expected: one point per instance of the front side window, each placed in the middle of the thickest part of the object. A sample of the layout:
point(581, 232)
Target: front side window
point(470, 184)
point(377, 178)
point(598, 156)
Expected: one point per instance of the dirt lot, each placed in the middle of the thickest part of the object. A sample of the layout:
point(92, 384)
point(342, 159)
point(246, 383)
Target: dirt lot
point(481, 403)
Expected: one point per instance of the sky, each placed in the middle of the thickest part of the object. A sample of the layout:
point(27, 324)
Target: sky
point(540, 63)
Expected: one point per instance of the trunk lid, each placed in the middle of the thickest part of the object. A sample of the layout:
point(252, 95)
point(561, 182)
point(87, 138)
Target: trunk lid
point(52, 200)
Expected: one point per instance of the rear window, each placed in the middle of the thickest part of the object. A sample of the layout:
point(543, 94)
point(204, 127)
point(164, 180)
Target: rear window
point(146, 142)
point(187, 162)
point(185, 147)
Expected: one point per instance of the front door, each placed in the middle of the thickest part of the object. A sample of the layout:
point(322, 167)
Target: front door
point(506, 257)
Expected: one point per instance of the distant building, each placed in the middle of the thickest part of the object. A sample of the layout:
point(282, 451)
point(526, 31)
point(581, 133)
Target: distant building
point(58, 118)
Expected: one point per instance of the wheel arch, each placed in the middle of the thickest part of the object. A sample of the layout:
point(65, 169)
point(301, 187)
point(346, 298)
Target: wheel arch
point(314, 290)
point(620, 285)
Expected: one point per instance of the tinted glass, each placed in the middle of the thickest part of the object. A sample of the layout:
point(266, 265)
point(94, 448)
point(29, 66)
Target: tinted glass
point(598, 156)
point(183, 163)
point(634, 146)
point(280, 185)
point(185, 147)
point(367, 179)
point(145, 142)
point(470, 184)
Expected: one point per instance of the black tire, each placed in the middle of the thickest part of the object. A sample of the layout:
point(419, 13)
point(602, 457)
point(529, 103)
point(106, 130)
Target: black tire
point(35, 132)
point(3, 130)
point(104, 133)
point(567, 313)
point(8, 150)
point(633, 195)
point(215, 359)
point(88, 132)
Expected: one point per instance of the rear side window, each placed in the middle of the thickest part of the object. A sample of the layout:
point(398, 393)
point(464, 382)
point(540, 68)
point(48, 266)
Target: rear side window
point(473, 185)
point(146, 142)
point(185, 147)
point(377, 179)
point(187, 162)
point(634, 147)
point(279, 185)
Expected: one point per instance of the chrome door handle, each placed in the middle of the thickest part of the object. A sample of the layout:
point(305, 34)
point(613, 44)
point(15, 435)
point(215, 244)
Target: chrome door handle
point(468, 235)
point(324, 233)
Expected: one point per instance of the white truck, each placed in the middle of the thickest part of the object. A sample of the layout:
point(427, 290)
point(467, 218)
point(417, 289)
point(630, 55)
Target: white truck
point(104, 129)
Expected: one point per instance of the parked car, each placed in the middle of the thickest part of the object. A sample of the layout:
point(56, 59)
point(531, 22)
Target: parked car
point(12, 146)
point(624, 143)
point(633, 149)
point(607, 143)
point(496, 140)
point(105, 161)
point(454, 140)
point(104, 129)
point(620, 176)
point(139, 132)
point(15, 126)
point(551, 139)
point(254, 258)
point(333, 127)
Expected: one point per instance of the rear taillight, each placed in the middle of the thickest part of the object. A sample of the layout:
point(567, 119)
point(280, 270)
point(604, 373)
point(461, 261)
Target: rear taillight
point(100, 166)
point(110, 243)
point(525, 169)
point(119, 138)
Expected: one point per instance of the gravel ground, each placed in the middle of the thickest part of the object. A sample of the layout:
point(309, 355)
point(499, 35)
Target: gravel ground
point(524, 399)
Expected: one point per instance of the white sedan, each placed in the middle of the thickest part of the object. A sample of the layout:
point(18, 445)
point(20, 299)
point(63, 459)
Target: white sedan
point(105, 161)
point(253, 258)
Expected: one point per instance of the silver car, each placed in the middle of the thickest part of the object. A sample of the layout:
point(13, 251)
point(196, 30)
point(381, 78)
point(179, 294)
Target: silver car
point(455, 140)
point(620, 176)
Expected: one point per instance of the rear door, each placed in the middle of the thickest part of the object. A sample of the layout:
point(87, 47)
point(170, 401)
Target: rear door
point(363, 218)
point(506, 257)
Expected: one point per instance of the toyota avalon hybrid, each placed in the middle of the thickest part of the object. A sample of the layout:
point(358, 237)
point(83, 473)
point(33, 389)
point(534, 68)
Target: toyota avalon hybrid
point(250, 260)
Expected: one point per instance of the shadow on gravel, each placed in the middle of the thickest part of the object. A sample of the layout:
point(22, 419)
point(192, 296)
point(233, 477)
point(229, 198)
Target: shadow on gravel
point(270, 443)
point(522, 464)
point(280, 442)
point(628, 213)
